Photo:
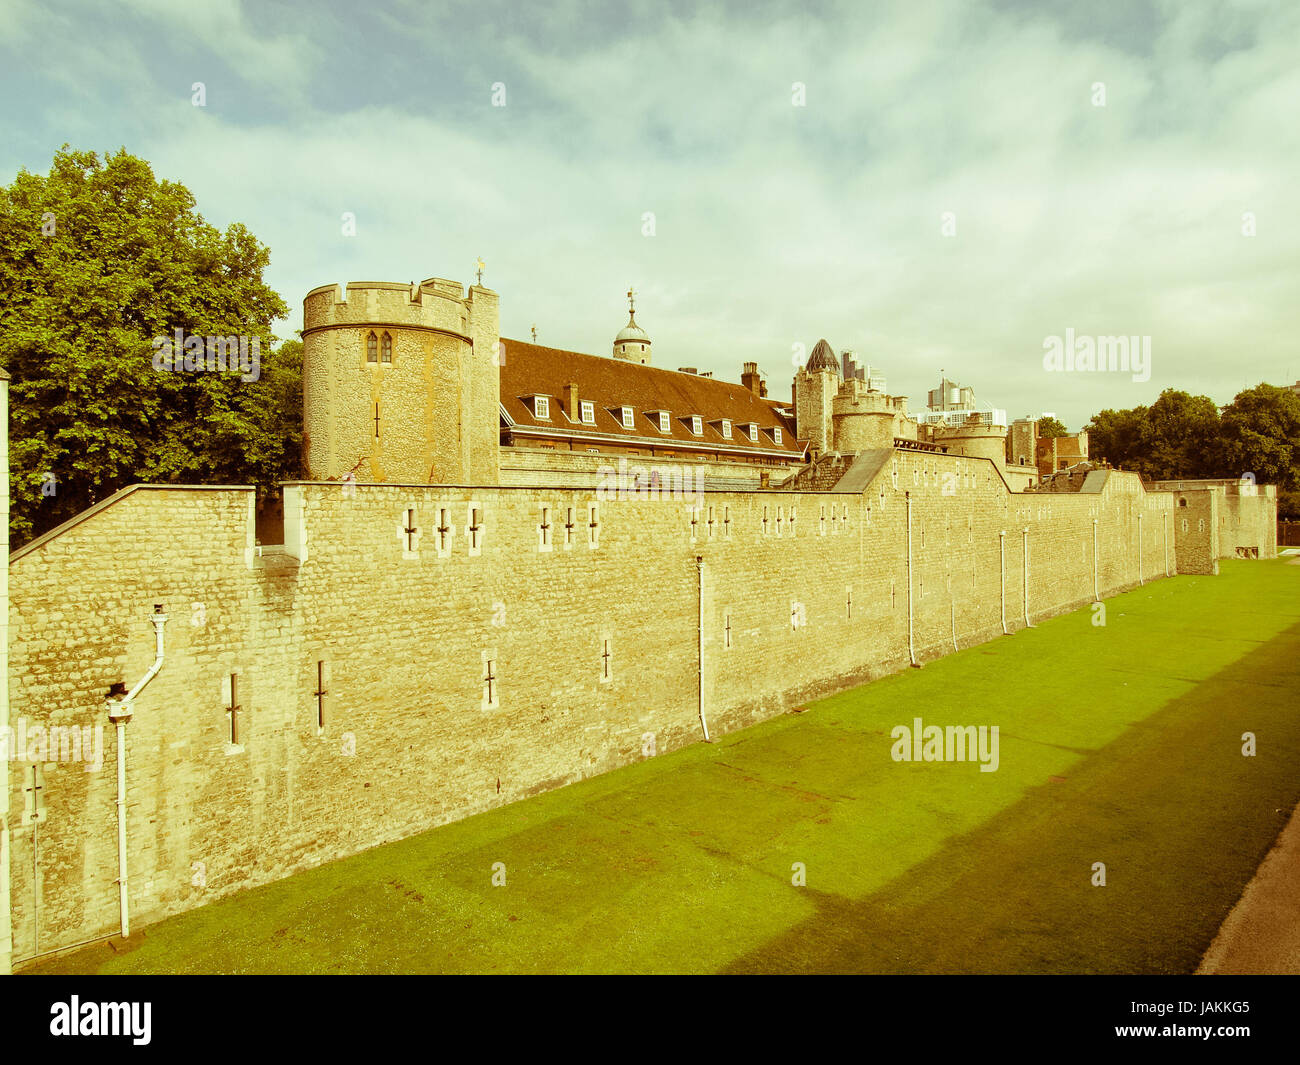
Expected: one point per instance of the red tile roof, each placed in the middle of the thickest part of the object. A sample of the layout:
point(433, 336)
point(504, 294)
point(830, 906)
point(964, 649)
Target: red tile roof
point(610, 384)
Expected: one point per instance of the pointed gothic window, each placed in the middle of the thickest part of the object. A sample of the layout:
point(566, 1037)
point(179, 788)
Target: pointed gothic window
point(387, 348)
point(372, 348)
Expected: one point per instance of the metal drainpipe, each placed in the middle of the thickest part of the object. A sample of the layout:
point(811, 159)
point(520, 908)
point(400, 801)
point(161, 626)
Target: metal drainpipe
point(699, 567)
point(1096, 591)
point(1025, 549)
point(1140, 548)
point(1002, 577)
point(911, 643)
point(119, 712)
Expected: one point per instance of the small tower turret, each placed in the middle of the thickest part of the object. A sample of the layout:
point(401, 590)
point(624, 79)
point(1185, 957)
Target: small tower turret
point(815, 388)
point(632, 342)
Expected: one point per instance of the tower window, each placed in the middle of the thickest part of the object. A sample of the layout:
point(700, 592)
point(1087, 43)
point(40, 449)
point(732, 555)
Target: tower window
point(33, 794)
point(322, 695)
point(387, 348)
point(234, 712)
point(491, 698)
point(372, 348)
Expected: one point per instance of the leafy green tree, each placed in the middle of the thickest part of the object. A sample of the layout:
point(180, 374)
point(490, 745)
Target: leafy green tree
point(97, 259)
point(1048, 427)
point(1261, 435)
point(1116, 436)
point(1180, 437)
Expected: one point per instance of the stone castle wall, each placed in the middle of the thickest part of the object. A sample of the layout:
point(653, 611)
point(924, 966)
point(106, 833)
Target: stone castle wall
point(1246, 514)
point(803, 594)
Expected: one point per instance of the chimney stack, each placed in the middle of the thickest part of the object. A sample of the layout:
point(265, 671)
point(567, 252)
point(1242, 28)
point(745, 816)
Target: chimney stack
point(751, 379)
point(571, 403)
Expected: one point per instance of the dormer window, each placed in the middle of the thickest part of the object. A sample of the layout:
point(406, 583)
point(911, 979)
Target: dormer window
point(588, 412)
point(697, 425)
point(776, 435)
point(664, 427)
point(726, 428)
point(541, 407)
point(753, 432)
point(627, 418)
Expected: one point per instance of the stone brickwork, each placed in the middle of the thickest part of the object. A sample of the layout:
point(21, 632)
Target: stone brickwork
point(426, 407)
point(420, 653)
point(1246, 514)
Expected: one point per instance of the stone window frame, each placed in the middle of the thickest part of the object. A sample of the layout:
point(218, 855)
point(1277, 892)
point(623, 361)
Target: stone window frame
point(606, 658)
point(34, 809)
point(411, 514)
point(322, 695)
point(490, 679)
point(369, 347)
point(475, 518)
point(234, 696)
point(386, 348)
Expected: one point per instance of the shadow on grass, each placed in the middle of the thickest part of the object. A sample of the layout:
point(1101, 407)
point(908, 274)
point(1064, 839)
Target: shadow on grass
point(1178, 815)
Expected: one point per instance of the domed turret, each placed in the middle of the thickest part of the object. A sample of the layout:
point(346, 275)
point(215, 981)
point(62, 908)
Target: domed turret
point(632, 342)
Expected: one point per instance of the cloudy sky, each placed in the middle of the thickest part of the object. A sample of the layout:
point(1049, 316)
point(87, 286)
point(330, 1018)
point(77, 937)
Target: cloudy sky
point(961, 182)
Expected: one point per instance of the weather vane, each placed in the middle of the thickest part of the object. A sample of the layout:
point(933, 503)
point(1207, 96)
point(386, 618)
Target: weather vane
point(481, 266)
point(534, 332)
point(631, 301)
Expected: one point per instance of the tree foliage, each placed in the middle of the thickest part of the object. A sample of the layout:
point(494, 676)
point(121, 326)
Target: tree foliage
point(1049, 427)
point(1182, 435)
point(97, 259)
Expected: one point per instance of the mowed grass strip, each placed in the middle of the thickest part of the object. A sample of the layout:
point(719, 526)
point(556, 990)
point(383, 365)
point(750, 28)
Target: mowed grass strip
point(1119, 744)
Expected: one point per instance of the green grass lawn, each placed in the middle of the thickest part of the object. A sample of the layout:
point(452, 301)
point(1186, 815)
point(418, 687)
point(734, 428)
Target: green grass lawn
point(1119, 745)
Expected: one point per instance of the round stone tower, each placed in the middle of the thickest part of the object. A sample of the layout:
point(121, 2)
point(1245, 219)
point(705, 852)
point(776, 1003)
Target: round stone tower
point(864, 419)
point(977, 436)
point(401, 383)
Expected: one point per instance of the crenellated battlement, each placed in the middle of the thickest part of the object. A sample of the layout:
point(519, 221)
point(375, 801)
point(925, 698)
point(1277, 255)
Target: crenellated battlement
point(435, 303)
